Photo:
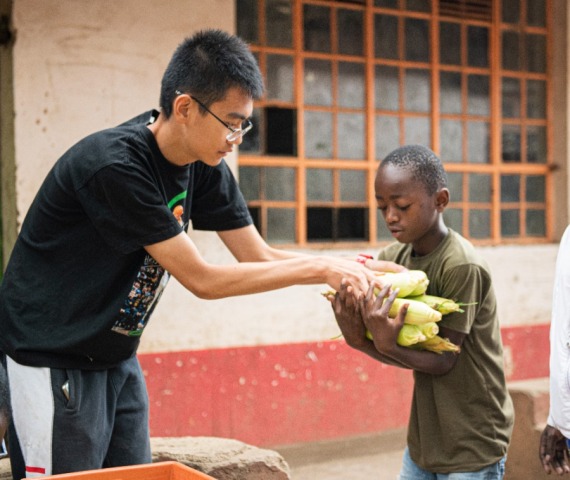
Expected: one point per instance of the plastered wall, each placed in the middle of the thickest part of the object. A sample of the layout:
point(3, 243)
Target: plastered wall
point(83, 65)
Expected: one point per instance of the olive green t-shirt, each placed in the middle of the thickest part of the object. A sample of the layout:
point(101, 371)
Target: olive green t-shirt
point(461, 421)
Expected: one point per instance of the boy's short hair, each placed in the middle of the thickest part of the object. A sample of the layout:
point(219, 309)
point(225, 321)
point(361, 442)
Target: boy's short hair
point(423, 164)
point(206, 65)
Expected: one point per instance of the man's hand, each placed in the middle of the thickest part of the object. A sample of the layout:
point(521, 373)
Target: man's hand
point(385, 266)
point(339, 269)
point(345, 308)
point(553, 451)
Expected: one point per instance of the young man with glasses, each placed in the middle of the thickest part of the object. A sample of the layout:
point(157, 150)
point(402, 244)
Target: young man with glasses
point(104, 234)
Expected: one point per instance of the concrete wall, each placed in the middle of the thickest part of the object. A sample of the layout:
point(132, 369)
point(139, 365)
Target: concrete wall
point(80, 66)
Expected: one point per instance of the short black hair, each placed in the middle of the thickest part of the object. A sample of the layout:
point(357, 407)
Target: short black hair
point(206, 65)
point(424, 165)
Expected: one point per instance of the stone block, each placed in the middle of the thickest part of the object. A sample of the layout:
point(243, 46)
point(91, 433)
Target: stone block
point(222, 458)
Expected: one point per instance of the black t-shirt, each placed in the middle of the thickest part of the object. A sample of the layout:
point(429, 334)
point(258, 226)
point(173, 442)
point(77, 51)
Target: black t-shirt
point(80, 287)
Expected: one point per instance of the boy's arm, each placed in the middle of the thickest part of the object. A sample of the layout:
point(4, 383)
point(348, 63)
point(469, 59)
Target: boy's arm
point(349, 320)
point(384, 330)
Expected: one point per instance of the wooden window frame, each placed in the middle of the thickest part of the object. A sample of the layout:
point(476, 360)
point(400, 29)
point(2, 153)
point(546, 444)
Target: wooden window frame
point(495, 168)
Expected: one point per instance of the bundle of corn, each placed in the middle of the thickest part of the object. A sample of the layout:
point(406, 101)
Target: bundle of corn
point(420, 329)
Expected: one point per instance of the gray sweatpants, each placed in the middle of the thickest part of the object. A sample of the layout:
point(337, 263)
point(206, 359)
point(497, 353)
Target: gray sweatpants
point(99, 419)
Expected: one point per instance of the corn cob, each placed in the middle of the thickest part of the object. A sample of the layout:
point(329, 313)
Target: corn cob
point(441, 304)
point(408, 335)
point(437, 345)
point(422, 282)
point(407, 282)
point(429, 329)
point(412, 334)
point(418, 312)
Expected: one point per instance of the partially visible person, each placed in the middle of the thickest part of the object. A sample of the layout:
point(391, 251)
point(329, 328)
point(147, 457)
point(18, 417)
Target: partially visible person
point(4, 409)
point(99, 243)
point(461, 416)
point(555, 438)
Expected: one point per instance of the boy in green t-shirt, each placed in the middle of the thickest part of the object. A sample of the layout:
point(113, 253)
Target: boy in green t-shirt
point(462, 415)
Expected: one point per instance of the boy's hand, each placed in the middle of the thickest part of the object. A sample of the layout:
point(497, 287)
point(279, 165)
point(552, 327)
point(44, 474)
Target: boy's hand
point(345, 308)
point(374, 312)
point(553, 451)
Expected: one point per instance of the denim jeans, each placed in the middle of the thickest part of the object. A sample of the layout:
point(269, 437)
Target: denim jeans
point(410, 471)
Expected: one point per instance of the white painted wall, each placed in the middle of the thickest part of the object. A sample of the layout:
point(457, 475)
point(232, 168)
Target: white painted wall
point(83, 65)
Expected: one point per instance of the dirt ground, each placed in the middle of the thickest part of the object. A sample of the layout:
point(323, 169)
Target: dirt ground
point(382, 466)
point(376, 457)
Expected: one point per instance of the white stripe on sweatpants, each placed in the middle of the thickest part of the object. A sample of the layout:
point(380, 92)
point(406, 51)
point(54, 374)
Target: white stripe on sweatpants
point(32, 413)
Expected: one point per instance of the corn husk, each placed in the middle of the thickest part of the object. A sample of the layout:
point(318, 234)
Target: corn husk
point(437, 344)
point(441, 304)
point(420, 329)
point(429, 329)
point(418, 312)
point(408, 335)
point(408, 282)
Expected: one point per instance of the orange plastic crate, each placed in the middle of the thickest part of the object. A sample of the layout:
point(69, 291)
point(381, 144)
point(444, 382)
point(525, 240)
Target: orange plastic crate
point(153, 471)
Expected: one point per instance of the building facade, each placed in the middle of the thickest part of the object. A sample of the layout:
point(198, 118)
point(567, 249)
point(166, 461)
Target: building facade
point(483, 83)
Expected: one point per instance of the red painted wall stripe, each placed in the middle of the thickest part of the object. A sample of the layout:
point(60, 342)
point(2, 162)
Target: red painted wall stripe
point(283, 394)
point(527, 351)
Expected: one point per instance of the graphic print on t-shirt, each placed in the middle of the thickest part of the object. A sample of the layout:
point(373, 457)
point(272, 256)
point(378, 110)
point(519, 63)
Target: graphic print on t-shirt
point(145, 292)
point(142, 298)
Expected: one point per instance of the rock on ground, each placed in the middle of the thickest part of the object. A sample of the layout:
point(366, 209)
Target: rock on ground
point(222, 458)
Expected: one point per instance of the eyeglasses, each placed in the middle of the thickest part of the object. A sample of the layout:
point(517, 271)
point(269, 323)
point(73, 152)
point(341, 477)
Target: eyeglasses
point(235, 133)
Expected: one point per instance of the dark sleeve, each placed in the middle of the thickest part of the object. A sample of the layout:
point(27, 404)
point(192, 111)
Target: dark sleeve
point(217, 202)
point(126, 208)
